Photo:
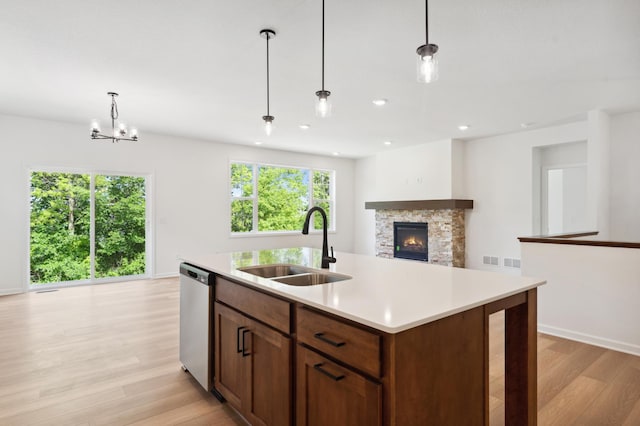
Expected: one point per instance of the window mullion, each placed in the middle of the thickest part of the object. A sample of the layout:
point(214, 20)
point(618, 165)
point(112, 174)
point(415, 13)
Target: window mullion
point(92, 227)
point(255, 197)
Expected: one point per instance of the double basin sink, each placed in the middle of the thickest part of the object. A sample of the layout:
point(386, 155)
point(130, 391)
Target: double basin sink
point(295, 275)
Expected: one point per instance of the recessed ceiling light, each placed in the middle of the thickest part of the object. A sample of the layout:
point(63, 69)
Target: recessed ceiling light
point(379, 102)
point(258, 143)
point(304, 126)
point(336, 153)
point(387, 143)
point(527, 125)
point(464, 127)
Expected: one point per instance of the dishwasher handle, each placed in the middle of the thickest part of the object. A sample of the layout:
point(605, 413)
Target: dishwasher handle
point(195, 273)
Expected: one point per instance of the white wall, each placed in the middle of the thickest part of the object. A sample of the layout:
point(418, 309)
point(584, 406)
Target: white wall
point(598, 171)
point(591, 293)
point(189, 189)
point(421, 172)
point(365, 222)
point(499, 180)
point(625, 177)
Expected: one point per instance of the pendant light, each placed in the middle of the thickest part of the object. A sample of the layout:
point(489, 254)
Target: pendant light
point(118, 133)
point(268, 119)
point(323, 104)
point(427, 61)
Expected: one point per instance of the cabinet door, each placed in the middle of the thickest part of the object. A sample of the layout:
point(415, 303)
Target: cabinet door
point(230, 378)
point(269, 376)
point(330, 395)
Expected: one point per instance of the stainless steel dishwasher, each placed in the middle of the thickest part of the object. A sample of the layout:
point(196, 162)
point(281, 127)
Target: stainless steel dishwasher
point(196, 323)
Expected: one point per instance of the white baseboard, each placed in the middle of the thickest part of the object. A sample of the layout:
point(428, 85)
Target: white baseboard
point(167, 275)
point(592, 340)
point(8, 291)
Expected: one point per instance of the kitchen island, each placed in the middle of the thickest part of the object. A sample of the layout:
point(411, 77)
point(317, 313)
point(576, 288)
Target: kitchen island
point(395, 343)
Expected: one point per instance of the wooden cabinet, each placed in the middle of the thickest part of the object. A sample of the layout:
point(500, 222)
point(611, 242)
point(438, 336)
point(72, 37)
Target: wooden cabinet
point(331, 395)
point(334, 393)
point(253, 367)
point(350, 374)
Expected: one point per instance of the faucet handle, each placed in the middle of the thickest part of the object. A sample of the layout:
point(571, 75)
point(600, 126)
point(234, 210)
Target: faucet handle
point(331, 258)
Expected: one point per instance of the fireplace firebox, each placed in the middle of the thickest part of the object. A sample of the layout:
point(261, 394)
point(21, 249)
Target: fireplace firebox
point(410, 240)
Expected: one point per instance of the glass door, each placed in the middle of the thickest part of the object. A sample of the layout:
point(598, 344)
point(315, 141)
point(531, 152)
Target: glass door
point(87, 228)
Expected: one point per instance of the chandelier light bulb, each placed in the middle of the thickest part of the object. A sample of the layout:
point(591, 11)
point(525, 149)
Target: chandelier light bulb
point(95, 127)
point(134, 134)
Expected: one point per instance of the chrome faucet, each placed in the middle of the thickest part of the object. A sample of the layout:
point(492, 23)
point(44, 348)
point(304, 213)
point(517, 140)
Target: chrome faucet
point(326, 259)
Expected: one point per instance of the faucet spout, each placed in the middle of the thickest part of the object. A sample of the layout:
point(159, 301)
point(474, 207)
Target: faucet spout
point(326, 259)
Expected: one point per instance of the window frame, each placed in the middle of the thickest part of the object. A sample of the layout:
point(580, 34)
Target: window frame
point(255, 167)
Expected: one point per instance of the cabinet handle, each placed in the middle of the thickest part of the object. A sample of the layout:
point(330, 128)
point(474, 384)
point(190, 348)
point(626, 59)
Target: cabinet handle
point(238, 339)
point(326, 373)
point(244, 333)
point(320, 336)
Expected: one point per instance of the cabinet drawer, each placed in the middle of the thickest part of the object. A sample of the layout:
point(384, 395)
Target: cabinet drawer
point(329, 394)
point(270, 310)
point(347, 343)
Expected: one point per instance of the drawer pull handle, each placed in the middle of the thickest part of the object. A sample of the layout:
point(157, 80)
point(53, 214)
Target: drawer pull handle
point(238, 348)
point(320, 336)
point(326, 373)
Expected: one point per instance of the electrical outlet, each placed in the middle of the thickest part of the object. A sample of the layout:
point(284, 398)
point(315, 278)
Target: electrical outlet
point(486, 260)
point(508, 262)
point(495, 260)
point(516, 263)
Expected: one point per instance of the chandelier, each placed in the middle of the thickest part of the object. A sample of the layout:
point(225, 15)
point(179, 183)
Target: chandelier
point(119, 132)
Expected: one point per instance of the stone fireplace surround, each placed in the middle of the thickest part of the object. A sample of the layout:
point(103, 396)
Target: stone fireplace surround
point(446, 226)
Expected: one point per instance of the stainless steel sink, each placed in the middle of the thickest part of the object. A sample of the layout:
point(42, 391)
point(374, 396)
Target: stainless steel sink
point(312, 279)
point(294, 274)
point(276, 270)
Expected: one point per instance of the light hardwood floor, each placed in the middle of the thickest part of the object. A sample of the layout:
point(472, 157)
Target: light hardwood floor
point(108, 355)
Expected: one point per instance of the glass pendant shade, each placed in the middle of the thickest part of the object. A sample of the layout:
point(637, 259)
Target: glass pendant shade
point(268, 124)
point(427, 65)
point(323, 104)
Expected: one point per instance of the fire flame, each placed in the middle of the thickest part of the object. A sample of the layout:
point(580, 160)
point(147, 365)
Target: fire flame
point(413, 242)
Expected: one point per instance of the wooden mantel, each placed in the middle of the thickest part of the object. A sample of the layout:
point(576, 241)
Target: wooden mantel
point(419, 205)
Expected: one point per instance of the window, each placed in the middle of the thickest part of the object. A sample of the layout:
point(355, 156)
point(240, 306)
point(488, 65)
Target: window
point(266, 198)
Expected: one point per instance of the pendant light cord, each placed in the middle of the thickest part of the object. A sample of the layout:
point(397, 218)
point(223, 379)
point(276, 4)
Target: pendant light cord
point(268, 73)
point(323, 45)
point(426, 20)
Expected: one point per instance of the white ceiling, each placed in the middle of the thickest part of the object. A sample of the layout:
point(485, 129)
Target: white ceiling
point(196, 68)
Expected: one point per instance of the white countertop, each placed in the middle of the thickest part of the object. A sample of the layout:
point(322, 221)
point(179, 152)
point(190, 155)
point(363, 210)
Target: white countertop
point(391, 295)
